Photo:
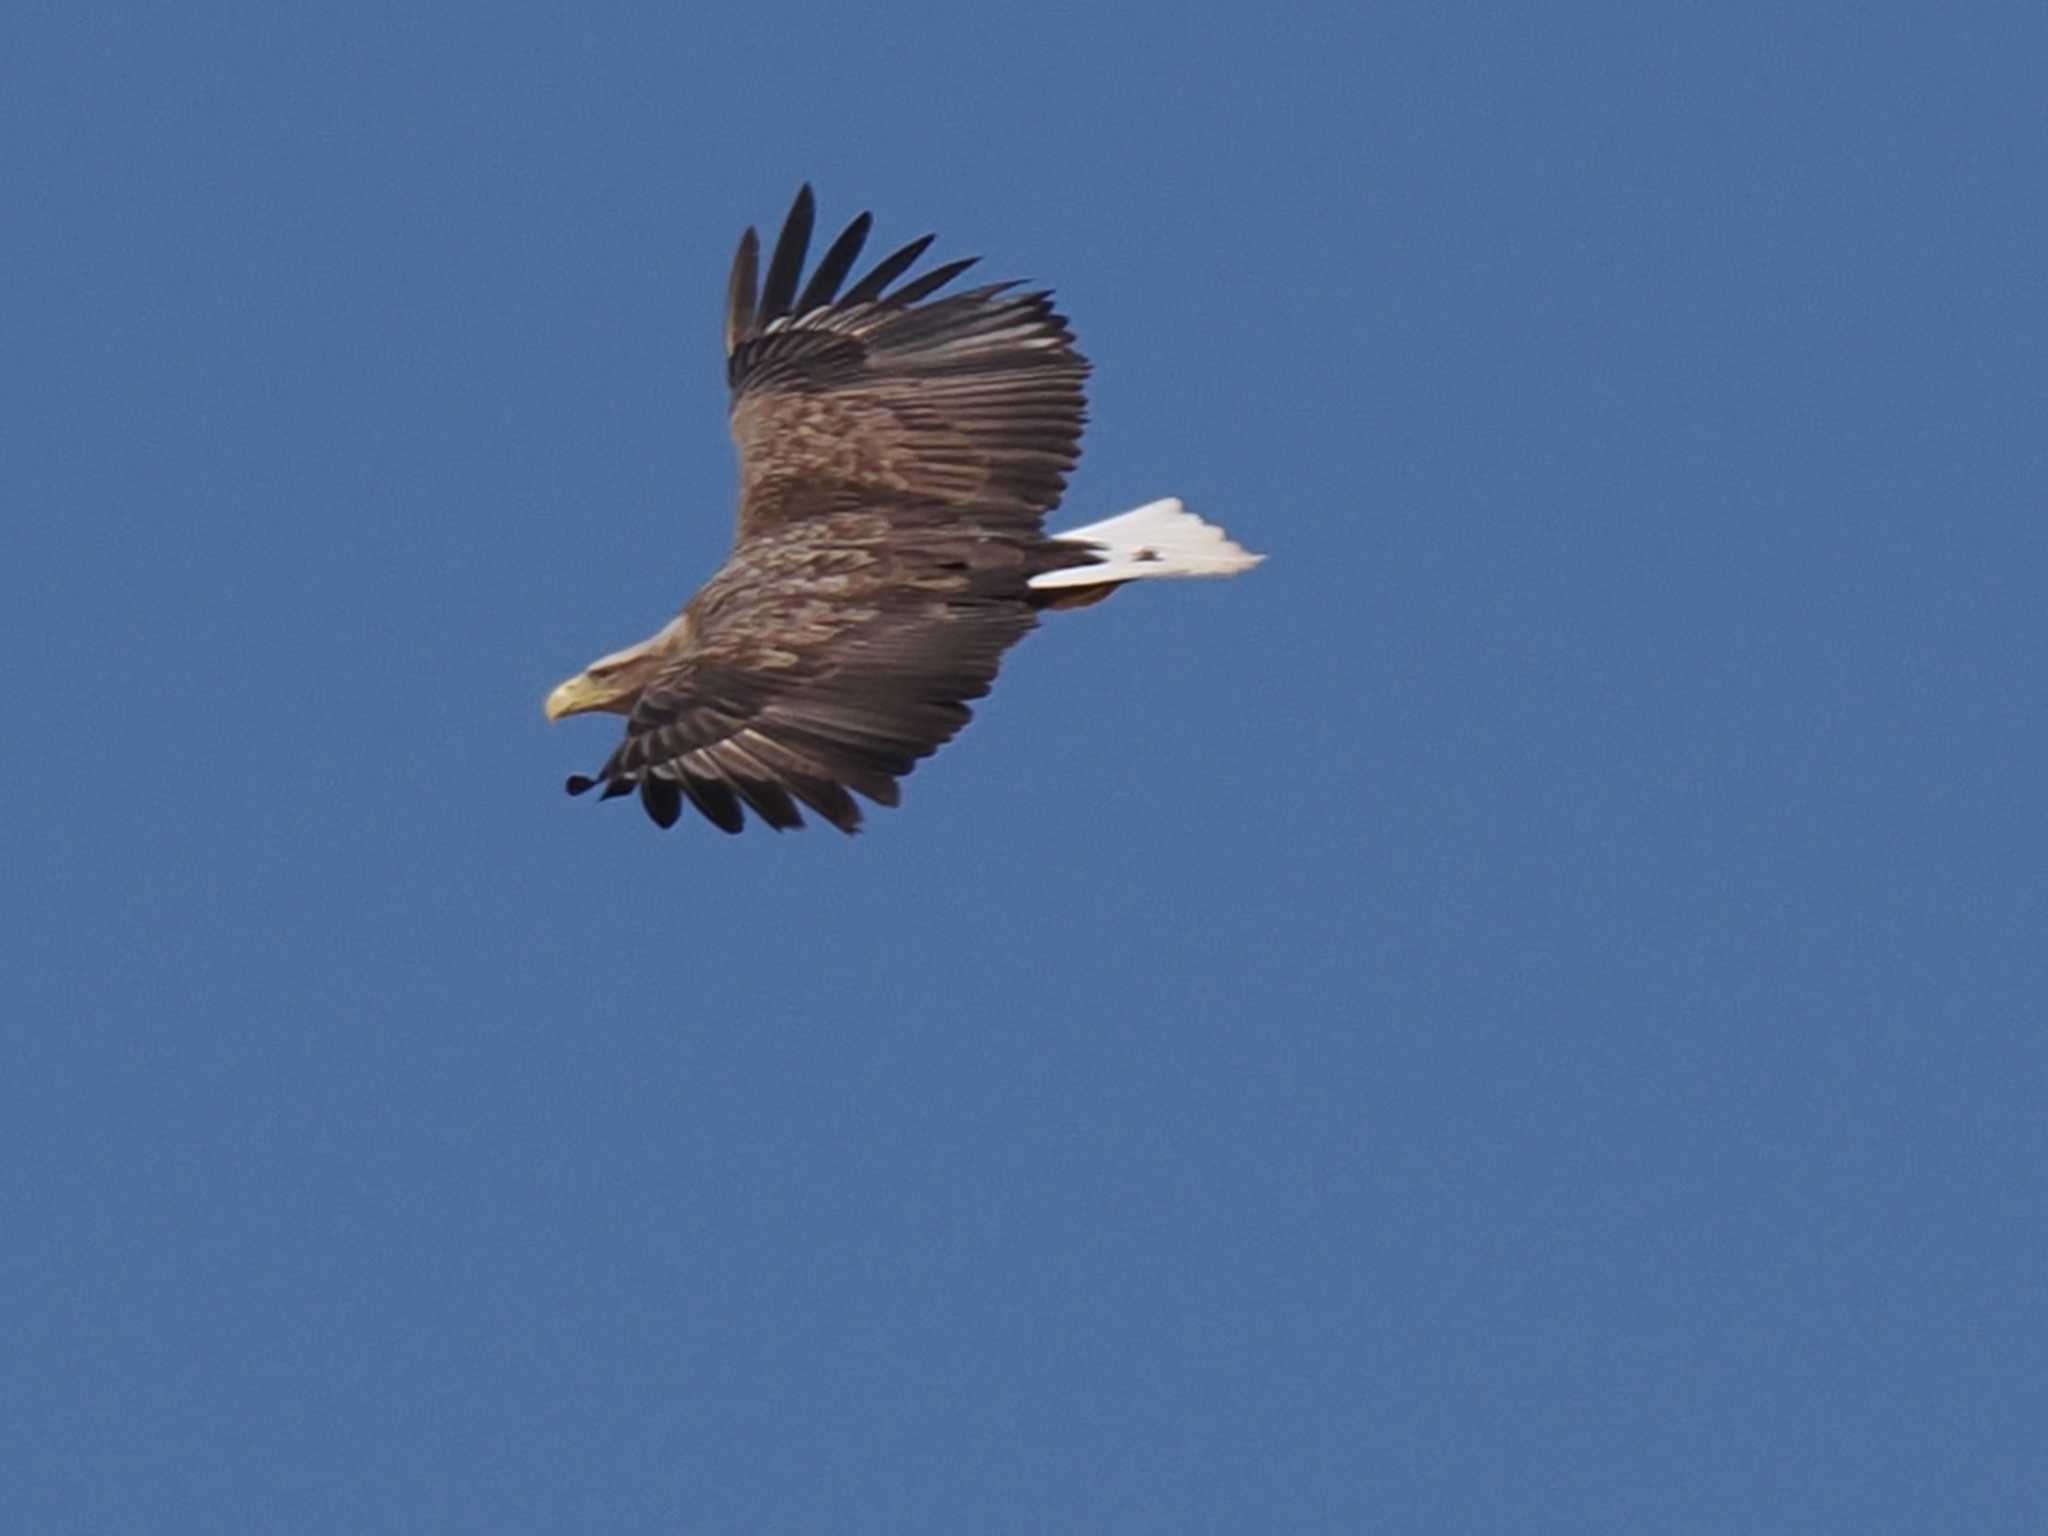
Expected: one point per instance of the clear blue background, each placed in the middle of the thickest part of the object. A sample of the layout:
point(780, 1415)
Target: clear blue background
point(1523, 1014)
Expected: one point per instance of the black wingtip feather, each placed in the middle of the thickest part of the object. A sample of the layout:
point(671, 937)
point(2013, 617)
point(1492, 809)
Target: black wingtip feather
point(778, 291)
point(770, 801)
point(739, 290)
point(579, 784)
point(662, 800)
point(887, 270)
point(932, 281)
point(838, 261)
point(717, 802)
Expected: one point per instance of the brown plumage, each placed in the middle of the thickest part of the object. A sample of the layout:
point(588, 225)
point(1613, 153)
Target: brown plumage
point(898, 455)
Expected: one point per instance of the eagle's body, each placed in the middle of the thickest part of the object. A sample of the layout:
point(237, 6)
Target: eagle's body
point(897, 461)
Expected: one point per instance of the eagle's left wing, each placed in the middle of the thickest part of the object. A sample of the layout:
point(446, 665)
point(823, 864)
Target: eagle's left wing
point(876, 398)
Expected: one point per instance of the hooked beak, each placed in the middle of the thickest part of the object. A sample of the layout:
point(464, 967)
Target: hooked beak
point(575, 696)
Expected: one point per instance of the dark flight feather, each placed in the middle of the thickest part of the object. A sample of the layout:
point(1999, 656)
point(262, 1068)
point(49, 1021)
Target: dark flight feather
point(887, 270)
point(739, 290)
point(721, 807)
point(778, 289)
point(932, 281)
point(663, 801)
point(837, 262)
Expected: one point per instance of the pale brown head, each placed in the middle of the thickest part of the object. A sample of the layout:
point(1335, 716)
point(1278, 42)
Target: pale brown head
point(611, 683)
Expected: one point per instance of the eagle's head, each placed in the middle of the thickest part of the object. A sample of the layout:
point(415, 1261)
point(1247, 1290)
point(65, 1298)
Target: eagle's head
point(611, 683)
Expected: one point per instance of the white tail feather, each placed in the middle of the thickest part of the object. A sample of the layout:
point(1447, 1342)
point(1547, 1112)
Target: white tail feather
point(1161, 538)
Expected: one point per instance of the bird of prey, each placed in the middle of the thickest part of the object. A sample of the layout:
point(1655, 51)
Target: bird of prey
point(898, 455)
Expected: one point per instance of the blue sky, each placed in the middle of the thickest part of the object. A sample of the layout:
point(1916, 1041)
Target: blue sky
point(1523, 1014)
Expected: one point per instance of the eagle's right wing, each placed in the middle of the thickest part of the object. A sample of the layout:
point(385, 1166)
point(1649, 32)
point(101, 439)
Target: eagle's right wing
point(816, 664)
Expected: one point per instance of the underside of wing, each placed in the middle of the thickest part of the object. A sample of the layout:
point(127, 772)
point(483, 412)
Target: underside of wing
point(886, 393)
point(823, 664)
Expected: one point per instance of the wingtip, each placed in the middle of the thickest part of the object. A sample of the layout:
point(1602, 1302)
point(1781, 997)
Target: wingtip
point(740, 289)
point(785, 266)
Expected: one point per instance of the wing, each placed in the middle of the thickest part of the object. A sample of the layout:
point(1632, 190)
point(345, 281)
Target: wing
point(876, 398)
point(829, 658)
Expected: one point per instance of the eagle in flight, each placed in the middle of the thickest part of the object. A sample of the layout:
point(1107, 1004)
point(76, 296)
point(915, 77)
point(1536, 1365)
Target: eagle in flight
point(898, 455)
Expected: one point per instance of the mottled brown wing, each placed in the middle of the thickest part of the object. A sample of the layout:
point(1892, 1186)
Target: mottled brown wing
point(877, 397)
point(827, 657)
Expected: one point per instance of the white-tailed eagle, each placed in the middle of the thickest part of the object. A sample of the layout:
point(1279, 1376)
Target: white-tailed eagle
point(898, 456)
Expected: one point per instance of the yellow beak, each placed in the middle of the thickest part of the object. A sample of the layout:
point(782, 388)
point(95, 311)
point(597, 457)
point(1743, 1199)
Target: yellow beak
point(574, 697)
